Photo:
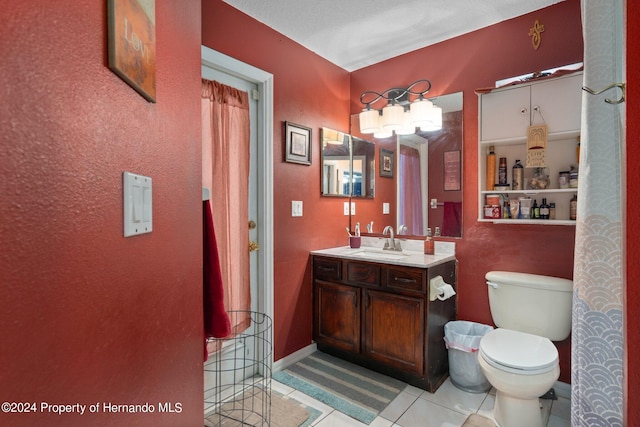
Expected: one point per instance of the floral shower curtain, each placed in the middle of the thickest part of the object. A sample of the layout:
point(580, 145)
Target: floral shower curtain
point(225, 170)
point(597, 331)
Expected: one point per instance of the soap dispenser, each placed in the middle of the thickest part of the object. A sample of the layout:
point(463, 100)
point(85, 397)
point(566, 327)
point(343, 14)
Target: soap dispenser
point(428, 243)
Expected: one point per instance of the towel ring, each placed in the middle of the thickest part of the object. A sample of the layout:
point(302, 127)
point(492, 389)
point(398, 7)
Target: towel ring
point(621, 86)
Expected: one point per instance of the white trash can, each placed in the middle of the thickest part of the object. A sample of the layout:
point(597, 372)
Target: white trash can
point(462, 339)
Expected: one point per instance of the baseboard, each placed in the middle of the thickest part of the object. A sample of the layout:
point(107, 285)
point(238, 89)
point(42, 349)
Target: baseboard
point(562, 389)
point(294, 357)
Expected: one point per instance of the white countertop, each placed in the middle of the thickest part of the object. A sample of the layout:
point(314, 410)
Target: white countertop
point(409, 258)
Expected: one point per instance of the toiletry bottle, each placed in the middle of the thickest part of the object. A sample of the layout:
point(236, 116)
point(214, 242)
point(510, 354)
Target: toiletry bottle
point(428, 243)
point(506, 212)
point(491, 169)
point(544, 209)
point(357, 232)
point(437, 232)
point(535, 210)
point(552, 210)
point(517, 176)
point(573, 208)
point(502, 171)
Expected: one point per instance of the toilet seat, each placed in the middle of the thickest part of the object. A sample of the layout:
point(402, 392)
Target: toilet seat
point(518, 352)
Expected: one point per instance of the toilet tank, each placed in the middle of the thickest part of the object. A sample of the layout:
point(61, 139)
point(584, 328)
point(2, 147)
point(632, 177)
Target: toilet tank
point(539, 305)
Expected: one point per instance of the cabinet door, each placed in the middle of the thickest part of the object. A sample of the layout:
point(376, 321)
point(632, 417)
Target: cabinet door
point(560, 102)
point(394, 330)
point(337, 315)
point(505, 113)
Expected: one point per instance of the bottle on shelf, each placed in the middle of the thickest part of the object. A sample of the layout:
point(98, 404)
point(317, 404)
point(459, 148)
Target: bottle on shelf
point(429, 245)
point(552, 210)
point(517, 178)
point(502, 171)
point(437, 232)
point(491, 168)
point(535, 210)
point(544, 209)
point(573, 207)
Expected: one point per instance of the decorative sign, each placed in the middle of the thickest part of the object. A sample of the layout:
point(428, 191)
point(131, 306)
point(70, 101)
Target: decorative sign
point(132, 44)
point(452, 170)
point(536, 146)
point(536, 34)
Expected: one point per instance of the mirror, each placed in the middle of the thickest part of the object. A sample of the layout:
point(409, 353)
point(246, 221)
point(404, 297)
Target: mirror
point(347, 165)
point(427, 184)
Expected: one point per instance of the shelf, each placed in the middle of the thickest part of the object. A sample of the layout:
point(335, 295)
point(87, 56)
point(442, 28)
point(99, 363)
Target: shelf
point(529, 221)
point(556, 136)
point(532, 192)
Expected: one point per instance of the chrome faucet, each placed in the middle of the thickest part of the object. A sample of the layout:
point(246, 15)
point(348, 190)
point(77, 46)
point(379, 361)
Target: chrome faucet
point(391, 244)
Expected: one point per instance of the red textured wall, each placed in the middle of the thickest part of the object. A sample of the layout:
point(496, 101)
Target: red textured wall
point(477, 60)
point(87, 315)
point(312, 92)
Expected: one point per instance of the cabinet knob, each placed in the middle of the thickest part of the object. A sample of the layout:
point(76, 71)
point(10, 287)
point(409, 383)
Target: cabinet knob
point(523, 110)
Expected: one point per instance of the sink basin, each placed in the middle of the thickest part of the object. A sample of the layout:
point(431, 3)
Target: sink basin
point(379, 254)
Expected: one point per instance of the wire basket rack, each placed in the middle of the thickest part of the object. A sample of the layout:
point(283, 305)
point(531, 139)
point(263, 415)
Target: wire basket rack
point(238, 373)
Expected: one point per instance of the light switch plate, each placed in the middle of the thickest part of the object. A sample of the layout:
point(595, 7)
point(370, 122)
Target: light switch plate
point(353, 208)
point(138, 204)
point(346, 208)
point(296, 208)
point(385, 208)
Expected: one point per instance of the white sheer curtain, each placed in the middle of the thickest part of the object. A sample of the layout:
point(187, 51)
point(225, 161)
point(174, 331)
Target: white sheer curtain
point(597, 331)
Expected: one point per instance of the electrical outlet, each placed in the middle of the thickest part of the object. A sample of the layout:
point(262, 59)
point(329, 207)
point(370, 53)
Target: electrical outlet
point(385, 208)
point(346, 208)
point(353, 208)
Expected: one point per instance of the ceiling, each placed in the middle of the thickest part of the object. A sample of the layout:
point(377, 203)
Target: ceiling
point(357, 33)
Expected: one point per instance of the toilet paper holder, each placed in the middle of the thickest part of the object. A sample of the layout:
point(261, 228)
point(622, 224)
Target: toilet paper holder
point(438, 289)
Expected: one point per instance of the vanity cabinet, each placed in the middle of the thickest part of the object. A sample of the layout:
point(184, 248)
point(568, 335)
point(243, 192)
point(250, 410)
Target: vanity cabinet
point(379, 316)
point(504, 117)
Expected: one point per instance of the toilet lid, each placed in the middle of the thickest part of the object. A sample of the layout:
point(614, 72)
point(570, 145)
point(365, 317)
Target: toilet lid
point(526, 353)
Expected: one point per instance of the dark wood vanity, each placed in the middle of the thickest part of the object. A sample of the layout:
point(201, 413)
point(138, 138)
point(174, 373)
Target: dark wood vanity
point(378, 315)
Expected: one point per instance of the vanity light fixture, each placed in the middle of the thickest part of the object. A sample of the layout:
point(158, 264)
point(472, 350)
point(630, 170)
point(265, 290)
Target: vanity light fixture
point(401, 114)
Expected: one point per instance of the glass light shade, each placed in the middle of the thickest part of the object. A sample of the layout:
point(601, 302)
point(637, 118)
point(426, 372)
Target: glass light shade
point(392, 116)
point(435, 120)
point(407, 128)
point(369, 121)
point(382, 133)
point(420, 110)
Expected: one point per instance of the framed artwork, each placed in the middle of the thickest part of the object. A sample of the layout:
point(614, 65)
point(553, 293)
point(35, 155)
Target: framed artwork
point(386, 163)
point(452, 170)
point(132, 44)
point(297, 143)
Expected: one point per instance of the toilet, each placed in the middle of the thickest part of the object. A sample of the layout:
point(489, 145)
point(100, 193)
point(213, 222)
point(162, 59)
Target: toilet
point(518, 357)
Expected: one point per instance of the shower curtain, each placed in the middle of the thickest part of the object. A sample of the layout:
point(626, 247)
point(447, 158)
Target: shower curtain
point(597, 331)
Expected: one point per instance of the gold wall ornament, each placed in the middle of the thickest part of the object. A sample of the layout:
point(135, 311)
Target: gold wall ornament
point(536, 34)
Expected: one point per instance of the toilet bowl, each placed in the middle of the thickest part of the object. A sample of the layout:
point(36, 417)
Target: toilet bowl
point(519, 358)
point(521, 367)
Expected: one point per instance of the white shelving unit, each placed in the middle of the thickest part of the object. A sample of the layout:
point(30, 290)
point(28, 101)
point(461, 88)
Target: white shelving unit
point(504, 116)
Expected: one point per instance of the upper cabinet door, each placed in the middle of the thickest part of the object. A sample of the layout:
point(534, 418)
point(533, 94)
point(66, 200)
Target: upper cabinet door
point(505, 113)
point(559, 101)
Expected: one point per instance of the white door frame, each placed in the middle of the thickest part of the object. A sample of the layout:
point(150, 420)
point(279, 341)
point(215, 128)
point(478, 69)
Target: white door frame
point(264, 81)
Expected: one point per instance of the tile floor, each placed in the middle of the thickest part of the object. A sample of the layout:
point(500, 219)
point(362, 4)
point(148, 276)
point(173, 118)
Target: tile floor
point(414, 407)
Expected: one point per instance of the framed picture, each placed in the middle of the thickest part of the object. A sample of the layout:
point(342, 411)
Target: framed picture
point(386, 163)
point(132, 44)
point(452, 170)
point(298, 143)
